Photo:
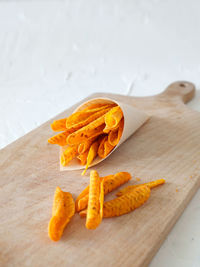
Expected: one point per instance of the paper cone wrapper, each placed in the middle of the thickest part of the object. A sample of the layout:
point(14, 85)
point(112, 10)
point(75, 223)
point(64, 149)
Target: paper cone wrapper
point(133, 120)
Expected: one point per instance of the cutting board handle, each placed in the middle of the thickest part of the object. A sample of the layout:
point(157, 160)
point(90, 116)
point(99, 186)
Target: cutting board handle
point(181, 89)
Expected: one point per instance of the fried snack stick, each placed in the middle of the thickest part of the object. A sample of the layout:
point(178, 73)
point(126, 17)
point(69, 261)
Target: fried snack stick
point(104, 147)
point(62, 211)
point(82, 195)
point(81, 116)
point(85, 145)
point(130, 188)
point(93, 129)
point(97, 105)
point(83, 157)
point(101, 199)
point(86, 118)
point(115, 135)
point(85, 192)
point(91, 155)
point(59, 125)
point(95, 203)
point(110, 183)
point(112, 118)
point(59, 139)
point(68, 154)
point(124, 204)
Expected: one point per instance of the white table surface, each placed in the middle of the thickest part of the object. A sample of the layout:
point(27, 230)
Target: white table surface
point(54, 53)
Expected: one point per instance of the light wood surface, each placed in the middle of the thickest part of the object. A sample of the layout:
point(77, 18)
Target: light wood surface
point(167, 146)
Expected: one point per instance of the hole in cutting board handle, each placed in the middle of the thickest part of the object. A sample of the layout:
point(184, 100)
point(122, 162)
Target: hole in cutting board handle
point(183, 90)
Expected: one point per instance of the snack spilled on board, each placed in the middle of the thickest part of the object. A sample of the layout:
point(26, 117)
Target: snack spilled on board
point(90, 202)
point(63, 210)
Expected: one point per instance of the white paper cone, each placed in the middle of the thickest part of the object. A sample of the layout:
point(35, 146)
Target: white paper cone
point(133, 119)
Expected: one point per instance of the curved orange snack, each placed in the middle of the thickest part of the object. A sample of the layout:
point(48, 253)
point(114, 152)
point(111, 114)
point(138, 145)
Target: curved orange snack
point(130, 188)
point(59, 125)
point(104, 147)
point(115, 135)
point(127, 202)
point(83, 157)
point(110, 183)
point(62, 211)
point(113, 117)
point(68, 155)
point(85, 116)
point(91, 155)
point(59, 139)
point(95, 201)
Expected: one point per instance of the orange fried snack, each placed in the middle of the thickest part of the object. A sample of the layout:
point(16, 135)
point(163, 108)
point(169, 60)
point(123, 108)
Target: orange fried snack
point(59, 125)
point(85, 192)
point(83, 157)
point(91, 155)
point(130, 188)
point(104, 147)
point(110, 183)
point(127, 202)
point(59, 139)
point(82, 203)
point(101, 199)
point(124, 204)
point(85, 145)
point(68, 155)
point(85, 116)
point(62, 211)
point(95, 202)
point(98, 123)
point(81, 195)
point(113, 118)
point(115, 135)
point(93, 129)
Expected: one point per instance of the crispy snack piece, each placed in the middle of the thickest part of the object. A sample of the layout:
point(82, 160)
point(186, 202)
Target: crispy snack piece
point(127, 202)
point(82, 119)
point(83, 203)
point(113, 117)
point(130, 188)
point(62, 211)
point(59, 125)
point(104, 147)
point(101, 199)
point(85, 192)
point(91, 155)
point(115, 181)
point(78, 116)
point(97, 105)
point(68, 154)
point(93, 214)
point(59, 139)
point(110, 183)
point(101, 146)
point(115, 135)
point(82, 195)
point(83, 157)
point(93, 129)
point(85, 145)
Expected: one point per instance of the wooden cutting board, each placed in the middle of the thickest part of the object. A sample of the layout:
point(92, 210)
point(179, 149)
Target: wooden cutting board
point(167, 146)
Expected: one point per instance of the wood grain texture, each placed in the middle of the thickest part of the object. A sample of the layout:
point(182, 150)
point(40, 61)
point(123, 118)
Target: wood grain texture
point(167, 146)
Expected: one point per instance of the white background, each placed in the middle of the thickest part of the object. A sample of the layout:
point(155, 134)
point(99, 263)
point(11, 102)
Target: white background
point(55, 53)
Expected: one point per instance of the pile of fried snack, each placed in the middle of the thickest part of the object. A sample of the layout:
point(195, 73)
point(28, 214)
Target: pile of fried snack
point(93, 131)
point(90, 203)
